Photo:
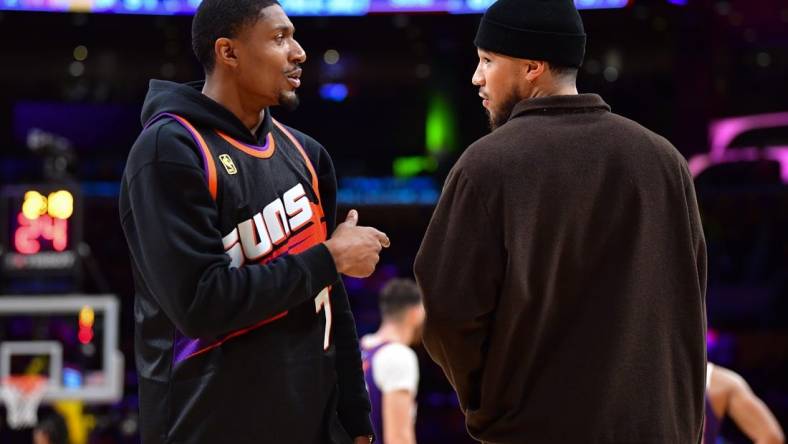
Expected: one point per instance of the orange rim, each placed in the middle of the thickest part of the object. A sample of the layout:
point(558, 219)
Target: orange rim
point(26, 383)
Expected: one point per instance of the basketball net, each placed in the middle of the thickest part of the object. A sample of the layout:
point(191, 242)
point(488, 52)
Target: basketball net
point(22, 396)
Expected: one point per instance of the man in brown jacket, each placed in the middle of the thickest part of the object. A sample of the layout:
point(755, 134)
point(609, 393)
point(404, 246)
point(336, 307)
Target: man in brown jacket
point(564, 269)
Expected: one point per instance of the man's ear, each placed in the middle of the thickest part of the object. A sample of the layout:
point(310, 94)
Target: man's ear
point(225, 52)
point(533, 69)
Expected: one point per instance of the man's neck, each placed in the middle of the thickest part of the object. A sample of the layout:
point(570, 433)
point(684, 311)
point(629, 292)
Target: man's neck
point(394, 332)
point(553, 87)
point(227, 95)
point(260, 122)
point(558, 89)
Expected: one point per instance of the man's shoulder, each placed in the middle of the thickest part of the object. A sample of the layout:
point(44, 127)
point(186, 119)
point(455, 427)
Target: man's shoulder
point(514, 139)
point(316, 152)
point(310, 144)
point(395, 353)
point(655, 147)
point(481, 159)
point(395, 366)
point(163, 141)
point(634, 128)
point(369, 341)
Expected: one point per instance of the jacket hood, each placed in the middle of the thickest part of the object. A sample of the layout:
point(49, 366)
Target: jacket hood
point(188, 101)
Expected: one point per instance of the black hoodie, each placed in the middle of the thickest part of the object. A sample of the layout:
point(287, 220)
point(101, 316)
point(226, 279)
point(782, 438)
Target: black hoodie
point(243, 328)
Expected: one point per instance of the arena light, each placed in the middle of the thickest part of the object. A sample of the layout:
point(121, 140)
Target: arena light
point(334, 92)
point(292, 7)
point(409, 166)
point(331, 57)
point(387, 191)
point(722, 134)
point(34, 205)
point(28, 235)
point(86, 319)
point(42, 230)
point(72, 378)
point(43, 218)
point(440, 126)
point(60, 204)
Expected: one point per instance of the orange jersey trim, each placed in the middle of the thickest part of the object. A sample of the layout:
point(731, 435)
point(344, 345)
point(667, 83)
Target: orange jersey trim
point(210, 164)
point(264, 152)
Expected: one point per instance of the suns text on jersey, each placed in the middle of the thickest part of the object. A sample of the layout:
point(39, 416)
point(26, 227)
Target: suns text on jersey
point(257, 236)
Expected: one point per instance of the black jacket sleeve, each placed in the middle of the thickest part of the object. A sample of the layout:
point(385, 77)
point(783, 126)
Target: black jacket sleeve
point(170, 221)
point(354, 407)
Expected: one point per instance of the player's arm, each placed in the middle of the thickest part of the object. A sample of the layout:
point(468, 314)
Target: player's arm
point(398, 417)
point(459, 268)
point(353, 408)
point(395, 371)
point(745, 409)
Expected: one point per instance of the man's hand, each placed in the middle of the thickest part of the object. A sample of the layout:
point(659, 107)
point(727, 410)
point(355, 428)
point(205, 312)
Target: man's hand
point(362, 440)
point(356, 250)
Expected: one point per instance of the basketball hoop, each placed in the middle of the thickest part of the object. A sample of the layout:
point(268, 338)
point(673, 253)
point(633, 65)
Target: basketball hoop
point(21, 395)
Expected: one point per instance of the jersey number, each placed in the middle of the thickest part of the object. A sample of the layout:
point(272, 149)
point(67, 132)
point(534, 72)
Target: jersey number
point(322, 301)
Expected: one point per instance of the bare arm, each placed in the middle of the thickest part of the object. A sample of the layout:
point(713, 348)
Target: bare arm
point(748, 412)
point(398, 427)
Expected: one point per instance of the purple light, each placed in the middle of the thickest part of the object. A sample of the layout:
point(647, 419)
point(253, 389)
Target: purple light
point(678, 2)
point(292, 7)
point(712, 338)
point(335, 92)
point(723, 132)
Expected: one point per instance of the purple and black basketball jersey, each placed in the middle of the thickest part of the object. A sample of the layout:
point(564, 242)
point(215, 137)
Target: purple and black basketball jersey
point(375, 395)
point(238, 305)
point(711, 428)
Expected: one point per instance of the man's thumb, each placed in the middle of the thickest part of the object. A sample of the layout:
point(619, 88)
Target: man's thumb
point(352, 218)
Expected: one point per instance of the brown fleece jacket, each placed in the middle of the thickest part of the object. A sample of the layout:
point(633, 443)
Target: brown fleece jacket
point(564, 279)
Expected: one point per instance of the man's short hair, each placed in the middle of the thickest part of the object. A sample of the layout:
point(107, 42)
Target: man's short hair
point(565, 73)
point(215, 19)
point(397, 296)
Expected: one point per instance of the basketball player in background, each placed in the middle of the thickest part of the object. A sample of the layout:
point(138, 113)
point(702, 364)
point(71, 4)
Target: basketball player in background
point(391, 368)
point(728, 394)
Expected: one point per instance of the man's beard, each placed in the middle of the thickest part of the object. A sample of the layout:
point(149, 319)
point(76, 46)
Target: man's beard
point(288, 100)
point(502, 113)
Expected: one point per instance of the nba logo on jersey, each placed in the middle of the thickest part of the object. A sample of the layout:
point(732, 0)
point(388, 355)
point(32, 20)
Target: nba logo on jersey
point(228, 164)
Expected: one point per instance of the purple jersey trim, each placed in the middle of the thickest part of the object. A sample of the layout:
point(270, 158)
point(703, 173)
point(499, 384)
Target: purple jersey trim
point(263, 148)
point(185, 347)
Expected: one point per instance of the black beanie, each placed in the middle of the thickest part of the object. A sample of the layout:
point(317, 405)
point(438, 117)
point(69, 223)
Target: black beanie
point(549, 30)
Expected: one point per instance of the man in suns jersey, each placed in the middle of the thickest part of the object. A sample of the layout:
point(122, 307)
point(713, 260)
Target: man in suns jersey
point(243, 331)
